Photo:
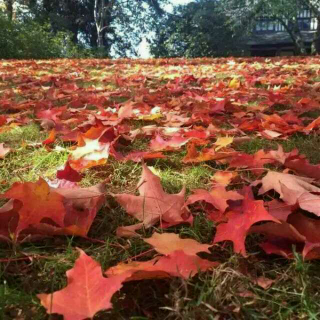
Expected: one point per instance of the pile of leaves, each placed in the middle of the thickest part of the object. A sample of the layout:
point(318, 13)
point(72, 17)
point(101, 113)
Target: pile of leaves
point(147, 114)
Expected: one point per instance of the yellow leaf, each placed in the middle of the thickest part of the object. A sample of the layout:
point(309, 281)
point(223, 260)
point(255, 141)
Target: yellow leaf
point(234, 83)
point(150, 116)
point(222, 142)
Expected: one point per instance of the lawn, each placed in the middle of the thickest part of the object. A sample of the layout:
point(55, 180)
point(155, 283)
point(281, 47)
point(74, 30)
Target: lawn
point(94, 155)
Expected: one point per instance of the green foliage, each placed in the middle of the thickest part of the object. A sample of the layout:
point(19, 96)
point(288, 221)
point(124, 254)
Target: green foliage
point(244, 14)
point(123, 24)
point(198, 29)
point(27, 39)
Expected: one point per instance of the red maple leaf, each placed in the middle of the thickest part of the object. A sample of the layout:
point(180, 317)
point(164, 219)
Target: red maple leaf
point(152, 205)
point(87, 291)
point(36, 210)
point(254, 162)
point(239, 223)
point(218, 197)
point(69, 174)
point(159, 144)
point(39, 202)
point(175, 264)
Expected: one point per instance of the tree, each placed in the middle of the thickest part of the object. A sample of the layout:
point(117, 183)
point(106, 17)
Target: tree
point(9, 8)
point(101, 17)
point(314, 7)
point(114, 26)
point(70, 15)
point(121, 24)
point(27, 39)
point(198, 29)
point(247, 12)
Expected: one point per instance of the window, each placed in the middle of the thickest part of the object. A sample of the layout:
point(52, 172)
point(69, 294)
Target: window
point(313, 24)
point(305, 20)
point(304, 24)
point(271, 26)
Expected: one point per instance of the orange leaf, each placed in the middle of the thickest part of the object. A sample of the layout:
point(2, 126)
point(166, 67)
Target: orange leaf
point(193, 156)
point(224, 178)
point(166, 243)
point(87, 291)
point(218, 197)
point(176, 264)
point(51, 139)
point(39, 202)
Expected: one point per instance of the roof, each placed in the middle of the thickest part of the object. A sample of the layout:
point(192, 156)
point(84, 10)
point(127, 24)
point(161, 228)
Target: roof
point(277, 38)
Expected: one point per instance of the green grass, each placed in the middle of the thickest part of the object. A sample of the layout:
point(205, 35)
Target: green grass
point(194, 177)
point(29, 161)
point(305, 144)
point(29, 133)
point(226, 292)
point(229, 289)
point(311, 114)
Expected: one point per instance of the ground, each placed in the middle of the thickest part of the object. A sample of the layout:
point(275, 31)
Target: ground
point(261, 103)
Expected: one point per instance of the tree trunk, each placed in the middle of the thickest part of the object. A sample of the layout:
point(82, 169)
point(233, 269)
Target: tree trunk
point(102, 16)
point(100, 40)
point(75, 31)
point(293, 29)
point(9, 8)
point(98, 4)
point(100, 9)
point(314, 7)
point(315, 47)
point(298, 40)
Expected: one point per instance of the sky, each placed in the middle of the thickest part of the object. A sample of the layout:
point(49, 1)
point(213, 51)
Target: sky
point(143, 49)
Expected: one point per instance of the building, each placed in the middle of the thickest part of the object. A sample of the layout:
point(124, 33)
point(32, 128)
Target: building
point(270, 38)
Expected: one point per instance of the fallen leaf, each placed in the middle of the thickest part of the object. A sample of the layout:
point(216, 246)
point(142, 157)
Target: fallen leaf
point(69, 174)
point(223, 142)
point(218, 197)
point(234, 83)
point(280, 156)
point(167, 243)
point(293, 190)
point(31, 210)
point(239, 223)
point(179, 264)
point(138, 156)
point(308, 227)
point(39, 202)
point(224, 178)
point(279, 209)
point(93, 148)
point(82, 205)
point(301, 165)
point(153, 204)
point(176, 264)
point(193, 156)
point(264, 282)
point(254, 162)
point(51, 139)
point(86, 293)
point(9, 218)
point(158, 144)
point(279, 238)
point(3, 151)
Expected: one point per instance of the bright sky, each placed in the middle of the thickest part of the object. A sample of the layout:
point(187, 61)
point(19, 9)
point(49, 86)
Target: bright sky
point(143, 49)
